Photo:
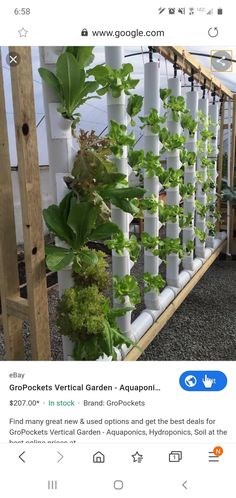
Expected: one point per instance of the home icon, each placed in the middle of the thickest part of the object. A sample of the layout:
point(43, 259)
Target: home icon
point(98, 457)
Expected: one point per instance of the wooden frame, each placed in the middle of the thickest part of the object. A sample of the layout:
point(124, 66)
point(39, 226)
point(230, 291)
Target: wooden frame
point(15, 308)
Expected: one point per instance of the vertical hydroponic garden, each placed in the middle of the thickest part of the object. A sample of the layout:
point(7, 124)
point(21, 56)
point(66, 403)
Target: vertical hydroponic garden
point(94, 200)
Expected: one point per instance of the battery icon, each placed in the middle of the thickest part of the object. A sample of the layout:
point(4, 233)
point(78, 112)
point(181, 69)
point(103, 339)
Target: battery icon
point(219, 12)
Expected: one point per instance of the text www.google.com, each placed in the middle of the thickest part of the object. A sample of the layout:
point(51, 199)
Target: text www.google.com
point(127, 33)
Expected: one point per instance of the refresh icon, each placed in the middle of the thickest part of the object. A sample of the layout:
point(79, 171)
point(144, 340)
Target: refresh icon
point(213, 32)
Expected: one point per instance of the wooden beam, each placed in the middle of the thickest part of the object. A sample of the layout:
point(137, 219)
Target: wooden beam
point(187, 62)
point(154, 330)
point(9, 279)
point(19, 307)
point(232, 165)
point(220, 160)
point(29, 181)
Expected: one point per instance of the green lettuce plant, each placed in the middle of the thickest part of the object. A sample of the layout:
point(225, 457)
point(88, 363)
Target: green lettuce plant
point(187, 159)
point(187, 190)
point(119, 137)
point(70, 82)
point(134, 106)
point(84, 315)
point(153, 282)
point(190, 124)
point(200, 234)
point(154, 120)
point(126, 286)
point(112, 80)
point(176, 105)
point(119, 243)
point(170, 141)
point(74, 223)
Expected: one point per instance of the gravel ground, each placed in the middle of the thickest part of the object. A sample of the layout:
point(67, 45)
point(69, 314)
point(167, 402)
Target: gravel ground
point(203, 328)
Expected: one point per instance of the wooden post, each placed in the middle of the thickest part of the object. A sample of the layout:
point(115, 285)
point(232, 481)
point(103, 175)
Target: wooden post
point(29, 180)
point(9, 279)
point(232, 171)
point(220, 160)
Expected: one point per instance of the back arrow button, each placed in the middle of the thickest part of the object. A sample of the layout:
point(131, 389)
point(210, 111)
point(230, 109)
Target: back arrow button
point(20, 457)
point(184, 484)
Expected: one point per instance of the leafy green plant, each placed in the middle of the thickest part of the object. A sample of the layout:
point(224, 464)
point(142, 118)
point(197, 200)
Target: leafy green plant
point(84, 315)
point(70, 81)
point(208, 185)
point(200, 235)
point(134, 106)
point(162, 247)
point(187, 190)
point(190, 124)
point(207, 163)
point(112, 80)
point(169, 213)
point(74, 223)
point(120, 137)
point(153, 282)
point(95, 178)
point(170, 141)
point(186, 220)
point(176, 105)
point(189, 247)
point(150, 204)
point(154, 120)
point(119, 243)
point(149, 162)
point(126, 286)
point(211, 228)
point(188, 159)
point(92, 272)
point(206, 134)
point(165, 93)
point(171, 177)
point(201, 209)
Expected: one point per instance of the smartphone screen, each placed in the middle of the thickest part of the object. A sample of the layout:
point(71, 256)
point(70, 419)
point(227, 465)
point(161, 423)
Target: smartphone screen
point(117, 250)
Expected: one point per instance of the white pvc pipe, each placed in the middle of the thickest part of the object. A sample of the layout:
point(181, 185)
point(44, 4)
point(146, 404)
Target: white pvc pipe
point(172, 194)
point(116, 110)
point(214, 116)
point(151, 185)
point(200, 247)
point(189, 177)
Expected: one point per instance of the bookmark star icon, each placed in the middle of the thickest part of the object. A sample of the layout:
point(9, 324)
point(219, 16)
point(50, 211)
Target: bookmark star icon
point(22, 32)
point(137, 458)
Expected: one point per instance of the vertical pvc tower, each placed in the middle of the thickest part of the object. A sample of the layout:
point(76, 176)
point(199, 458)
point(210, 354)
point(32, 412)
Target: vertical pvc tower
point(200, 247)
point(116, 108)
point(61, 157)
point(173, 197)
point(151, 185)
point(214, 126)
point(189, 177)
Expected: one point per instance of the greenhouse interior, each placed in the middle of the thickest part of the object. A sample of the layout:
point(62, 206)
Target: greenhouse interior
point(117, 205)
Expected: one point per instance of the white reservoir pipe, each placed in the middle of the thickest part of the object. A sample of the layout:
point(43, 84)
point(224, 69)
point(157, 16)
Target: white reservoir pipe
point(229, 136)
